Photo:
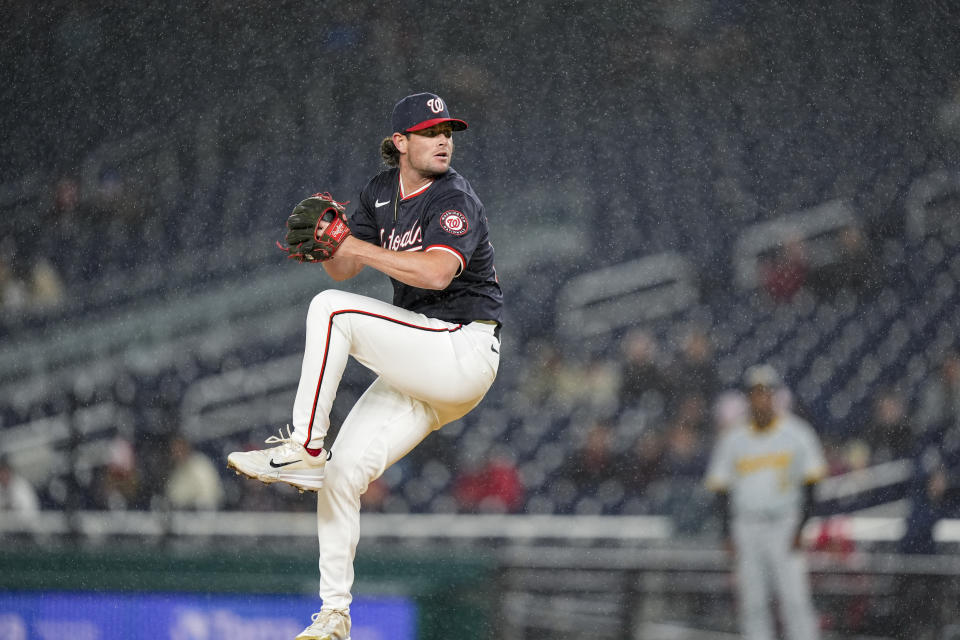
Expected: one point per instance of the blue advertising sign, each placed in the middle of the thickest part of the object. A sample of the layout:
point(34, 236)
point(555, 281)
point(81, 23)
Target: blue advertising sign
point(188, 616)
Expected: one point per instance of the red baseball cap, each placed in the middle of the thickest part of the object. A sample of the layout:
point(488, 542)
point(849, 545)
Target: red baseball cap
point(422, 111)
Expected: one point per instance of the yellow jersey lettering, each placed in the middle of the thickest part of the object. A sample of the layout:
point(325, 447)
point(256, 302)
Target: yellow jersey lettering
point(752, 464)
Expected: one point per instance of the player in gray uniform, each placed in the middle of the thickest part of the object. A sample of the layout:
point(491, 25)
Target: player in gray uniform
point(435, 350)
point(763, 473)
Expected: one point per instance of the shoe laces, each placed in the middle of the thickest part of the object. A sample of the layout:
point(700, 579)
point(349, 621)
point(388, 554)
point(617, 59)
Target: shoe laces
point(285, 441)
point(328, 617)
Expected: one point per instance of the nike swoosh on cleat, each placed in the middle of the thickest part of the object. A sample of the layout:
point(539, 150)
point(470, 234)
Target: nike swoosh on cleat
point(379, 204)
point(281, 464)
point(492, 348)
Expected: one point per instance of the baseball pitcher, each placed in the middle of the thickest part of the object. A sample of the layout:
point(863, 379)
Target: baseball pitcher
point(435, 349)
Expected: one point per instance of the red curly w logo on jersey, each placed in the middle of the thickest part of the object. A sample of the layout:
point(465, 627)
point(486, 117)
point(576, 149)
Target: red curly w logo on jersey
point(454, 222)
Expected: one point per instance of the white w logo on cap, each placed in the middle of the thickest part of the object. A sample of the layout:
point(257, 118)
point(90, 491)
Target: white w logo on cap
point(435, 104)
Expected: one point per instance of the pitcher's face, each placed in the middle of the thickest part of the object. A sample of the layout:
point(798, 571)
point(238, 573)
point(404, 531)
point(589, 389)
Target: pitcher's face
point(430, 151)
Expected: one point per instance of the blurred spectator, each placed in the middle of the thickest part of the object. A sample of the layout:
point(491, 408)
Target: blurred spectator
point(694, 373)
point(643, 464)
point(729, 409)
point(855, 268)
point(856, 454)
point(836, 454)
point(927, 507)
point(46, 286)
point(257, 496)
point(117, 486)
point(374, 499)
point(643, 378)
point(599, 386)
point(931, 500)
point(685, 453)
point(72, 219)
point(14, 294)
point(596, 461)
point(40, 288)
point(194, 482)
point(684, 446)
point(565, 381)
point(549, 375)
point(889, 433)
point(110, 199)
point(493, 487)
point(785, 273)
point(685, 457)
point(834, 536)
point(66, 200)
point(940, 397)
point(16, 493)
point(845, 454)
point(692, 414)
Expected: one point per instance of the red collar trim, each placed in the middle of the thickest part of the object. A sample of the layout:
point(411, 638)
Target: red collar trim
point(404, 196)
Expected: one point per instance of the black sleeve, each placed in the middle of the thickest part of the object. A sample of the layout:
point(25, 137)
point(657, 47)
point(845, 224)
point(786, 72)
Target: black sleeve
point(806, 506)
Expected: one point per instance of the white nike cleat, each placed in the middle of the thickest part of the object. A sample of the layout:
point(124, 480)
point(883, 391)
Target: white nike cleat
point(288, 463)
point(328, 624)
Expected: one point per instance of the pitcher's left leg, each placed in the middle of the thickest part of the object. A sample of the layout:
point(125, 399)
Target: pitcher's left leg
point(383, 426)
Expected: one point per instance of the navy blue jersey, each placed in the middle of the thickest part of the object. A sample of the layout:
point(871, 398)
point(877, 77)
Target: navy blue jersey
point(444, 216)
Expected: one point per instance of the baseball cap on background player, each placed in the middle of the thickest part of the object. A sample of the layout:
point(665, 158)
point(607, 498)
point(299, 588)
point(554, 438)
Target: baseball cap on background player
point(761, 375)
point(422, 111)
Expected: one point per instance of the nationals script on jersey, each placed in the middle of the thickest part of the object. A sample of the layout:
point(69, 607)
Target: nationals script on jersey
point(446, 215)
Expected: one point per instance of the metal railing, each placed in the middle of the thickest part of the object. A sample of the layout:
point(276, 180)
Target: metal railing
point(492, 529)
point(618, 577)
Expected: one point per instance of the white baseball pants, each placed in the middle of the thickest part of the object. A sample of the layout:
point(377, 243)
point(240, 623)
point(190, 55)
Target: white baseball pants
point(430, 372)
point(766, 558)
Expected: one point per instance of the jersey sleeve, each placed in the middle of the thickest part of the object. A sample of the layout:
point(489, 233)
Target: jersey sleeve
point(720, 470)
point(453, 224)
point(363, 224)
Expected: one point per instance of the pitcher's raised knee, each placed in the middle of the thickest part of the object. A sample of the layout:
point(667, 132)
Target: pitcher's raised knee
point(328, 301)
